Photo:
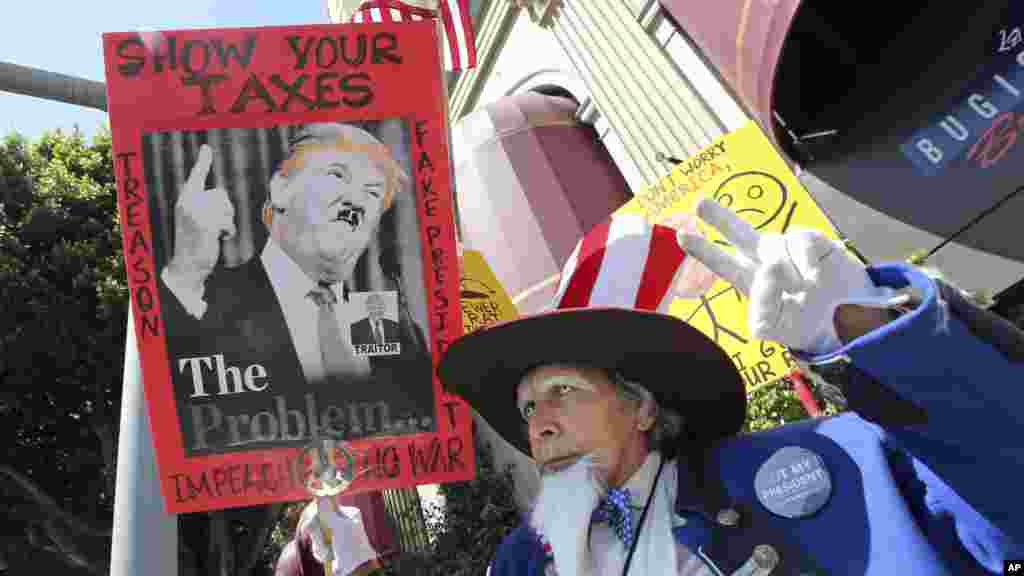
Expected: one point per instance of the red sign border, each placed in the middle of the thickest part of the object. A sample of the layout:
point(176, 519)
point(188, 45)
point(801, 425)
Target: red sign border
point(216, 477)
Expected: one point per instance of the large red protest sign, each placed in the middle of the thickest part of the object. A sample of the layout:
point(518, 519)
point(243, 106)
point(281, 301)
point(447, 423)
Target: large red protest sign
point(288, 233)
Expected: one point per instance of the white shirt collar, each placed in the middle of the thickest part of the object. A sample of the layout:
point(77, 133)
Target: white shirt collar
point(280, 266)
point(639, 484)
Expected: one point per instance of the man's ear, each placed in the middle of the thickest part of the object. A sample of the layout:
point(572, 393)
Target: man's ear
point(275, 190)
point(267, 215)
point(646, 415)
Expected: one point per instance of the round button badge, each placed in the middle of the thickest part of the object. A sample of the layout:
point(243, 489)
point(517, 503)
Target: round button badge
point(793, 483)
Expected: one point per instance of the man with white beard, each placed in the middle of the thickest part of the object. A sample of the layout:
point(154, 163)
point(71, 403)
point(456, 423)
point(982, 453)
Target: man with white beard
point(633, 417)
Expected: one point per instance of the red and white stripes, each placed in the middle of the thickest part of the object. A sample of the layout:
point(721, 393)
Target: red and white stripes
point(623, 262)
point(457, 25)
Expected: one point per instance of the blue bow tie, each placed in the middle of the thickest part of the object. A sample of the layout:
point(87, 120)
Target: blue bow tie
point(616, 511)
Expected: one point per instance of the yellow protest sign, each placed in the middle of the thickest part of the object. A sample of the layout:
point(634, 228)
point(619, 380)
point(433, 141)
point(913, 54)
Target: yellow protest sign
point(742, 171)
point(484, 301)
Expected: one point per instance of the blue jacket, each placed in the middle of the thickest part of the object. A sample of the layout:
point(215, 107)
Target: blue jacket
point(926, 470)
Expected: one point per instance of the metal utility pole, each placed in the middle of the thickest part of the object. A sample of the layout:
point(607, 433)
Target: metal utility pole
point(52, 86)
point(145, 536)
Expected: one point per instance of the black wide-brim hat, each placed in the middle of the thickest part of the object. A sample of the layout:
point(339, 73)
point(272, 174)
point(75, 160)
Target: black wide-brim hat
point(684, 369)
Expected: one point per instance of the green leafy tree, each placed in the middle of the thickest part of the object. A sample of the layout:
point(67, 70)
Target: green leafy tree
point(475, 517)
point(778, 403)
point(62, 328)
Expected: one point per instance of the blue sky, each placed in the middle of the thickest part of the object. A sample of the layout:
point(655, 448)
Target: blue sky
point(64, 36)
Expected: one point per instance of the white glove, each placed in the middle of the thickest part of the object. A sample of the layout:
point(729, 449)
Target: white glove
point(350, 546)
point(309, 523)
point(794, 281)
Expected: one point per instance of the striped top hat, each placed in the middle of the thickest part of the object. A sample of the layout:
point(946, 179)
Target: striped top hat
point(608, 313)
point(627, 263)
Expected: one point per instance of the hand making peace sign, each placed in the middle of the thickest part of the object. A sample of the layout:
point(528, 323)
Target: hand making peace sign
point(794, 281)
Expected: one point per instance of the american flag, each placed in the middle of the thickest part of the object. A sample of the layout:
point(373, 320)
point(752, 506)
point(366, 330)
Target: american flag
point(457, 25)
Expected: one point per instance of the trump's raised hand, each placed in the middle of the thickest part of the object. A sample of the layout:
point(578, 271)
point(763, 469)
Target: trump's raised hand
point(202, 218)
point(795, 281)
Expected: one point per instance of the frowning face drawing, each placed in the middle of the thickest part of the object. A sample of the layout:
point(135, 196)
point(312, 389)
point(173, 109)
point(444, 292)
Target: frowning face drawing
point(757, 197)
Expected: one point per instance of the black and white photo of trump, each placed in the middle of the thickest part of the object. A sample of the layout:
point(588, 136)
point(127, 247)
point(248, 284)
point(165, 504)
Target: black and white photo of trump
point(259, 344)
point(376, 330)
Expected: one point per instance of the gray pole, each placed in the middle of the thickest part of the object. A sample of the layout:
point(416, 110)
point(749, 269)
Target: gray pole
point(52, 86)
point(145, 537)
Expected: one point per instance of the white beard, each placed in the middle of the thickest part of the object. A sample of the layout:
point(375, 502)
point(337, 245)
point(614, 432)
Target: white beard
point(562, 511)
